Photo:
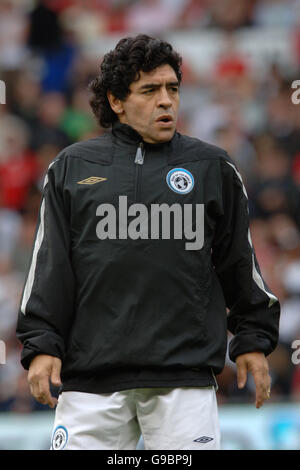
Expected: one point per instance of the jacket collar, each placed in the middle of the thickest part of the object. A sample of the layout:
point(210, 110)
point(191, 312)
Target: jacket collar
point(126, 133)
point(172, 149)
point(129, 136)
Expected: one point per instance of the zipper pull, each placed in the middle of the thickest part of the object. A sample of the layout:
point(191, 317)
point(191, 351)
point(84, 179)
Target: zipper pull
point(139, 156)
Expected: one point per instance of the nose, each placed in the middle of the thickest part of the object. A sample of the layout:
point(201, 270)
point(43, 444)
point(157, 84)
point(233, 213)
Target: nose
point(164, 100)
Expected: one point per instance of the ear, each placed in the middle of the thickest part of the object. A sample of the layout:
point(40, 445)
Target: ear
point(115, 103)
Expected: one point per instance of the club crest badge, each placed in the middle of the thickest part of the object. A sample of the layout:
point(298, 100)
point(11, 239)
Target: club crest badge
point(180, 180)
point(60, 438)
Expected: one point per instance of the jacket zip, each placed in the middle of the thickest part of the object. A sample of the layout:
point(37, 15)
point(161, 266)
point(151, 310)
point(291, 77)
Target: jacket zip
point(139, 161)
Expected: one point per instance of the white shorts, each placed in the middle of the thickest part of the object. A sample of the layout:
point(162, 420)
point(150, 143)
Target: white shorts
point(167, 419)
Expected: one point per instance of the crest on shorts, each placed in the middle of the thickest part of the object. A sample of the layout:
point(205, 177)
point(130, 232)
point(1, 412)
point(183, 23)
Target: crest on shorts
point(180, 180)
point(60, 438)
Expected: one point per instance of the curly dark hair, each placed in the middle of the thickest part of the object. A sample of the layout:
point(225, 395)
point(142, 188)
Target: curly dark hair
point(121, 66)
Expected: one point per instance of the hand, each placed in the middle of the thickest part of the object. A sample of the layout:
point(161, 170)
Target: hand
point(257, 364)
point(42, 369)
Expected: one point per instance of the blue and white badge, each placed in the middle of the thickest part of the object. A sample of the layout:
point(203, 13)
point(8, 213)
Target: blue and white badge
point(60, 438)
point(180, 180)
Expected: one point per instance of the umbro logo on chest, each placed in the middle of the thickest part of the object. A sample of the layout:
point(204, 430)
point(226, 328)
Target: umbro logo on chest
point(92, 180)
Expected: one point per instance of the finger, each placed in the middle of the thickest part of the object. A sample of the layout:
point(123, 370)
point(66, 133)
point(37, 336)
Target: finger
point(259, 389)
point(241, 374)
point(55, 373)
point(262, 383)
point(43, 389)
point(267, 391)
point(33, 390)
point(259, 400)
point(34, 387)
point(43, 392)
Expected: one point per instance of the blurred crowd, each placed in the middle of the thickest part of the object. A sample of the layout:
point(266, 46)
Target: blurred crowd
point(46, 70)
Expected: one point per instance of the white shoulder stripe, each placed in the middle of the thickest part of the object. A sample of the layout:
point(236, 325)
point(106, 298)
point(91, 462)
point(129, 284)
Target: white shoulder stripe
point(257, 277)
point(239, 177)
point(255, 274)
point(37, 245)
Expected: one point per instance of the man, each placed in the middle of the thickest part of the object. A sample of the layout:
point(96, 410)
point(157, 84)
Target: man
point(142, 242)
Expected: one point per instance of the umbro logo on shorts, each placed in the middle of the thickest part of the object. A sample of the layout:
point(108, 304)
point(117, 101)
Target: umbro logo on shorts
point(203, 439)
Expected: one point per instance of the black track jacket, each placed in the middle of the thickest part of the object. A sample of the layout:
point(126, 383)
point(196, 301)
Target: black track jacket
point(121, 288)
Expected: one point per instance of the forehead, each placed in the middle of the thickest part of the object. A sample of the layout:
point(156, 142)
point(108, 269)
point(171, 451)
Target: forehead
point(160, 75)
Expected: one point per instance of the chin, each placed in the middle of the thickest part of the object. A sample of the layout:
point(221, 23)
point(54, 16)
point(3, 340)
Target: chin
point(165, 136)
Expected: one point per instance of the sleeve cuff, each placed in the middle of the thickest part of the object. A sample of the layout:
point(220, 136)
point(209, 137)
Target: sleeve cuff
point(242, 344)
point(46, 343)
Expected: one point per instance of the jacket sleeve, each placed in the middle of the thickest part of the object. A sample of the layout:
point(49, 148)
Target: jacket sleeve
point(46, 307)
point(254, 310)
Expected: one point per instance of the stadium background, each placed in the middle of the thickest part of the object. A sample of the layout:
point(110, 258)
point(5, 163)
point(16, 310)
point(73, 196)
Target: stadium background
point(240, 60)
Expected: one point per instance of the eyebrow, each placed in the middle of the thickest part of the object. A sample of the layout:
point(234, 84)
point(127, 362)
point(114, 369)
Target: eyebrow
point(156, 85)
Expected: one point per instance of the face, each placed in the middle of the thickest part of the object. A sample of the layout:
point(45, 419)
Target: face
point(151, 108)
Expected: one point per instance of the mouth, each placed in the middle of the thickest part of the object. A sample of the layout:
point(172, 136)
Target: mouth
point(166, 120)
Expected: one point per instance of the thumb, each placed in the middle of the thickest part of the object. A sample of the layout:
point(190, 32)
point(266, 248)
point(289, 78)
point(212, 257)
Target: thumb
point(55, 373)
point(241, 374)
